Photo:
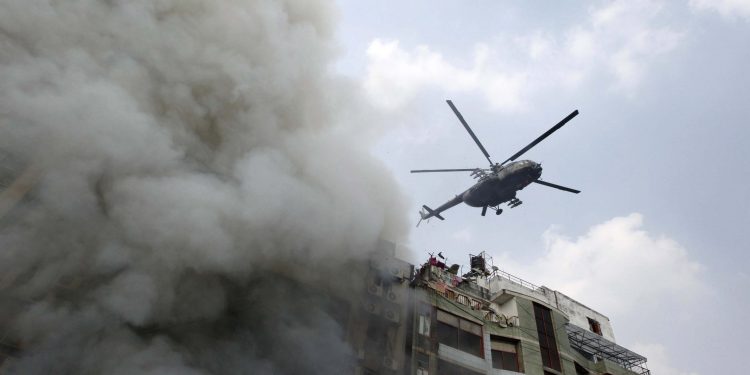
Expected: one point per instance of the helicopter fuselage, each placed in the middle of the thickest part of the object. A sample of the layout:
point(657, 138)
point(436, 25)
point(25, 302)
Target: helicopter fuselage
point(501, 186)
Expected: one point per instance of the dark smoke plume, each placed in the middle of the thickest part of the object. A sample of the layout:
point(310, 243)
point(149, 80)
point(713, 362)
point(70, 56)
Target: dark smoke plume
point(199, 191)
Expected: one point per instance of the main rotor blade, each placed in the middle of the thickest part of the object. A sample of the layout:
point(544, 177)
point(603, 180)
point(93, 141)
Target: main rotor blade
point(541, 137)
point(468, 129)
point(545, 183)
point(443, 170)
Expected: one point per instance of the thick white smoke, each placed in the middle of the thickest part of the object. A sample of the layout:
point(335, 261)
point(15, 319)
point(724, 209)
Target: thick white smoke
point(196, 186)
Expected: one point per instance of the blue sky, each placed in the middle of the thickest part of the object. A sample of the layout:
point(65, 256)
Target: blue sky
point(656, 239)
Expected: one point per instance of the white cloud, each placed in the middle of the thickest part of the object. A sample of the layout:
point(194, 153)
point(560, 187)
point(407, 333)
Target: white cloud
point(731, 9)
point(617, 41)
point(658, 360)
point(617, 267)
point(464, 235)
point(394, 76)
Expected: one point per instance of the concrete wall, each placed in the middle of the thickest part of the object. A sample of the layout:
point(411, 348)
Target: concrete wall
point(503, 290)
point(579, 315)
point(509, 308)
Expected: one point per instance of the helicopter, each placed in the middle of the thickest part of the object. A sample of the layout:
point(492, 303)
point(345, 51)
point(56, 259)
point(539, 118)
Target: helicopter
point(500, 182)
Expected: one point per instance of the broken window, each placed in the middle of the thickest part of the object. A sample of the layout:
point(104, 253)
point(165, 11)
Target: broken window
point(595, 327)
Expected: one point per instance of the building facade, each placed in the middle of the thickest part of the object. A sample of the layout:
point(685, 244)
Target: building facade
point(494, 323)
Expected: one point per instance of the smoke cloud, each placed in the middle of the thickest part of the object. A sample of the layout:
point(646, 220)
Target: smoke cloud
point(199, 190)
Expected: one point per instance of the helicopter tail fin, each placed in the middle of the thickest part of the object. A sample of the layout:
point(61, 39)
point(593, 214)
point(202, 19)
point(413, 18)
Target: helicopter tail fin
point(426, 213)
point(431, 213)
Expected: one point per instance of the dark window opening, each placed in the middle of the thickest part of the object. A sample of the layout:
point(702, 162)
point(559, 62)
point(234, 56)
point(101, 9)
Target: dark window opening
point(595, 327)
point(504, 360)
point(580, 370)
point(447, 334)
point(459, 333)
point(470, 343)
point(505, 354)
point(547, 342)
point(423, 364)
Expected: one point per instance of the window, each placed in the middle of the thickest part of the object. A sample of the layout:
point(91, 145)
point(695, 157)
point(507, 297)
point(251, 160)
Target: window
point(423, 364)
point(459, 333)
point(505, 354)
point(424, 319)
point(580, 370)
point(447, 368)
point(546, 332)
point(424, 326)
point(595, 327)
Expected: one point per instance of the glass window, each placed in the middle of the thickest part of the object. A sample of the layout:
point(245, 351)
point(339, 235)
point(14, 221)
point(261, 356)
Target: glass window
point(424, 325)
point(546, 333)
point(459, 333)
point(470, 343)
point(447, 335)
point(505, 353)
point(423, 364)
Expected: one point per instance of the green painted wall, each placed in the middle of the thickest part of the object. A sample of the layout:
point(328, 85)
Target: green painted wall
point(526, 333)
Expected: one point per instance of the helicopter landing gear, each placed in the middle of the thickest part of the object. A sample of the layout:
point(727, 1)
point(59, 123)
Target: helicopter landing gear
point(497, 210)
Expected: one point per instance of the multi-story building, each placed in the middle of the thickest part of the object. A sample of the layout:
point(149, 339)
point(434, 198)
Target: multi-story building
point(490, 322)
point(431, 320)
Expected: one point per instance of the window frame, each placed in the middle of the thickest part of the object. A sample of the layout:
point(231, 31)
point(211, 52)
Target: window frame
point(504, 347)
point(447, 324)
point(595, 326)
point(547, 340)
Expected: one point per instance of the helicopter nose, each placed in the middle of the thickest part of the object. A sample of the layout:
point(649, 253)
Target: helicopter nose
point(537, 168)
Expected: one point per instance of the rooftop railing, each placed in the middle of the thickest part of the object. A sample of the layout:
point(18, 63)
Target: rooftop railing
point(514, 279)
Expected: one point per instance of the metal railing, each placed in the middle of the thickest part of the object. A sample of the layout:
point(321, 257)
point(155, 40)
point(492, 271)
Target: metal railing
point(514, 279)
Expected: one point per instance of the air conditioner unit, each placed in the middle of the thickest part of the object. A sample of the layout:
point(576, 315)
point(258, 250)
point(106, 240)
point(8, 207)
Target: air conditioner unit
point(396, 294)
point(390, 363)
point(375, 290)
point(392, 315)
point(512, 321)
point(396, 271)
point(371, 306)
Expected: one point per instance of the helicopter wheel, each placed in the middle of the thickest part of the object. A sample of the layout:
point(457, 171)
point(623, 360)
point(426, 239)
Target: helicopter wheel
point(499, 211)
